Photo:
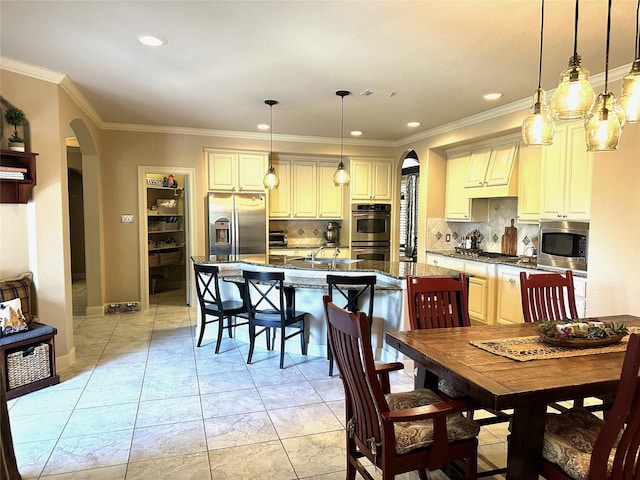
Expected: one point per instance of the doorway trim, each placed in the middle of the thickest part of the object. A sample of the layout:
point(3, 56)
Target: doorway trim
point(189, 228)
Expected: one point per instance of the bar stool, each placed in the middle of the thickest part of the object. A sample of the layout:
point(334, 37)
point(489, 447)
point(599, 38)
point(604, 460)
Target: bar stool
point(261, 291)
point(350, 289)
point(212, 304)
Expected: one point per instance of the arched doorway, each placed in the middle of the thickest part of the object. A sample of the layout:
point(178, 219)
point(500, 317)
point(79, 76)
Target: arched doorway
point(82, 158)
point(409, 182)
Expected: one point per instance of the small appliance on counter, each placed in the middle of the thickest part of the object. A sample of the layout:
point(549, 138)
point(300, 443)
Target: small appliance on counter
point(277, 238)
point(332, 234)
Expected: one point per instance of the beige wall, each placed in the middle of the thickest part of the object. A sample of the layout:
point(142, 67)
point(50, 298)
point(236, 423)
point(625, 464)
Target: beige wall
point(614, 254)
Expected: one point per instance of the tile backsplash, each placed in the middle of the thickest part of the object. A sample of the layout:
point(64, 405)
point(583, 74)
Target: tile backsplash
point(501, 211)
point(305, 233)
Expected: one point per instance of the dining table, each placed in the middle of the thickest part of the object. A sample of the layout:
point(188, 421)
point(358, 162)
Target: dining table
point(507, 366)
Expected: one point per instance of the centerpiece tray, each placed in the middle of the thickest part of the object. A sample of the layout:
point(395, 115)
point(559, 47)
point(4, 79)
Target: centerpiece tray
point(580, 333)
point(576, 342)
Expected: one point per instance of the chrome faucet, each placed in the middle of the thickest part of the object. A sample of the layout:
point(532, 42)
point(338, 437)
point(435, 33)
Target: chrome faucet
point(335, 255)
point(315, 253)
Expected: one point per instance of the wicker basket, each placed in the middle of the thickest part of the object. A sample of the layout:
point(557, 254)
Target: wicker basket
point(170, 258)
point(28, 365)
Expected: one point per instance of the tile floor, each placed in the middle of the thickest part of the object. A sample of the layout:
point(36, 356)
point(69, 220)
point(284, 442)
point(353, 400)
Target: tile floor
point(142, 402)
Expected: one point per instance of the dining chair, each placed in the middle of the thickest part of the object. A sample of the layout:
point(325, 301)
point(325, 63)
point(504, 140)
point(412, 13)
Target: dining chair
point(212, 305)
point(442, 302)
point(551, 296)
point(396, 432)
point(548, 296)
point(352, 291)
point(272, 305)
point(579, 445)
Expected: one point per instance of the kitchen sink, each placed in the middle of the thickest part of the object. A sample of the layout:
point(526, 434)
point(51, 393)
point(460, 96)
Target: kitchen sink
point(329, 261)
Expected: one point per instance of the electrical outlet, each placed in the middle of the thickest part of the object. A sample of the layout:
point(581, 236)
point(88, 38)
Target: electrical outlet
point(126, 218)
point(447, 237)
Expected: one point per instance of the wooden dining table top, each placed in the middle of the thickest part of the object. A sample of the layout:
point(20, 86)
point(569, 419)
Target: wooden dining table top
point(498, 382)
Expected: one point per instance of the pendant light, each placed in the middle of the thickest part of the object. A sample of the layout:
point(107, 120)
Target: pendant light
point(574, 95)
point(271, 180)
point(604, 121)
point(341, 177)
point(630, 96)
point(538, 127)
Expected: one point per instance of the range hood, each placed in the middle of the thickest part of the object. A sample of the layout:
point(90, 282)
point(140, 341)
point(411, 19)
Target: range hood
point(493, 171)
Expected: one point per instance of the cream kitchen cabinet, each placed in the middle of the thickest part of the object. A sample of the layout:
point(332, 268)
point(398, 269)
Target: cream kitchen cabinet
point(481, 288)
point(235, 171)
point(280, 198)
point(529, 171)
point(304, 175)
point(509, 306)
point(330, 197)
point(491, 171)
point(306, 190)
point(459, 208)
point(371, 180)
point(566, 175)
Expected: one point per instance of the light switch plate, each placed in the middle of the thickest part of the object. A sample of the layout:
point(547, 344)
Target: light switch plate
point(126, 218)
point(447, 237)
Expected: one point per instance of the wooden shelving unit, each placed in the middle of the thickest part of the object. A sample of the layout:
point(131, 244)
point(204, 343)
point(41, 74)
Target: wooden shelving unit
point(14, 190)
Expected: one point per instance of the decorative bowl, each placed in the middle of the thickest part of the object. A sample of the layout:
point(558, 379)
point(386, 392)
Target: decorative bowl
point(577, 342)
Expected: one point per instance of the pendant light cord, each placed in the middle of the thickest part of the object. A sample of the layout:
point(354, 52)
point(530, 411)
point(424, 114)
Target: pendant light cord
point(606, 61)
point(575, 29)
point(637, 30)
point(540, 56)
point(271, 134)
point(341, 126)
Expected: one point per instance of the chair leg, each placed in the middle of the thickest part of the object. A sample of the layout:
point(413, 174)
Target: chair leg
point(219, 340)
point(252, 341)
point(202, 325)
point(303, 342)
point(283, 338)
point(230, 326)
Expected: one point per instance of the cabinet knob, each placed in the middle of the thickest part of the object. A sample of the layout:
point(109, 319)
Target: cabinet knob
point(486, 184)
point(435, 262)
point(480, 183)
point(512, 281)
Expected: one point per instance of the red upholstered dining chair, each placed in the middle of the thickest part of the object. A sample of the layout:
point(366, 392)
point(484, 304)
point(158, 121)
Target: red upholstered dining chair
point(579, 445)
point(442, 302)
point(551, 296)
point(212, 305)
point(396, 432)
point(548, 296)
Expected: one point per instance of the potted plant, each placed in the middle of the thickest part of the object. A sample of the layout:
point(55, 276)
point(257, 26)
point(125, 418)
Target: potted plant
point(16, 117)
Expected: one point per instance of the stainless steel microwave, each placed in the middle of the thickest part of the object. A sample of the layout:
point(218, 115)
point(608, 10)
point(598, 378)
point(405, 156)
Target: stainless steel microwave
point(563, 244)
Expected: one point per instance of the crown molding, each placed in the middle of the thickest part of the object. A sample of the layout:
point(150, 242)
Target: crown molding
point(30, 70)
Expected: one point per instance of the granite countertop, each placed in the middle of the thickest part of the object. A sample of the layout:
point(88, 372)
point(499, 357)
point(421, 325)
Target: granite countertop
point(502, 261)
point(394, 270)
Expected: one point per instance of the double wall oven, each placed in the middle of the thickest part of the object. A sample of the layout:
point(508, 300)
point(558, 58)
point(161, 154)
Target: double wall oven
point(371, 231)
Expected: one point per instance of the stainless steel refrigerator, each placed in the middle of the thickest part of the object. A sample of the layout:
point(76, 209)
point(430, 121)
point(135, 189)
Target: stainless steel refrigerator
point(237, 224)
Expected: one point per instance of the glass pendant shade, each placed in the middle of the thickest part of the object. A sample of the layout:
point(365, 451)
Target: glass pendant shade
point(341, 177)
point(630, 97)
point(574, 95)
point(603, 124)
point(538, 127)
point(271, 180)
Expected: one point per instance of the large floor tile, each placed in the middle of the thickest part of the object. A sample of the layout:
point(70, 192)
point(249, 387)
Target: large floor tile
point(192, 466)
point(316, 454)
point(167, 440)
point(238, 430)
point(233, 463)
point(304, 420)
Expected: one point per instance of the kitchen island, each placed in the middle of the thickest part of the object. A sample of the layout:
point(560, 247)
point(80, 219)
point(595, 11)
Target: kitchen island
point(309, 281)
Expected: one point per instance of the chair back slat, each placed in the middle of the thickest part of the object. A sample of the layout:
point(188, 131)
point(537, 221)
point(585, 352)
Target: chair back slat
point(624, 416)
point(438, 302)
point(258, 292)
point(352, 291)
point(350, 337)
point(547, 296)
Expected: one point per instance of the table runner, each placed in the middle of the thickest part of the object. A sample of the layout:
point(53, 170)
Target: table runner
point(524, 349)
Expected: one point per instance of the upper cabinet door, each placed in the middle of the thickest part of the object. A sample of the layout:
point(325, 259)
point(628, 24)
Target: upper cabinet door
point(252, 168)
point(222, 168)
point(280, 199)
point(329, 196)
point(501, 164)
point(477, 170)
point(371, 180)
point(305, 189)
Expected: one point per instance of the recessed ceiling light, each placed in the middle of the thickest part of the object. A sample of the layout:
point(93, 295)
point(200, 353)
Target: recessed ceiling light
point(356, 133)
point(151, 40)
point(413, 124)
point(492, 96)
point(263, 126)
